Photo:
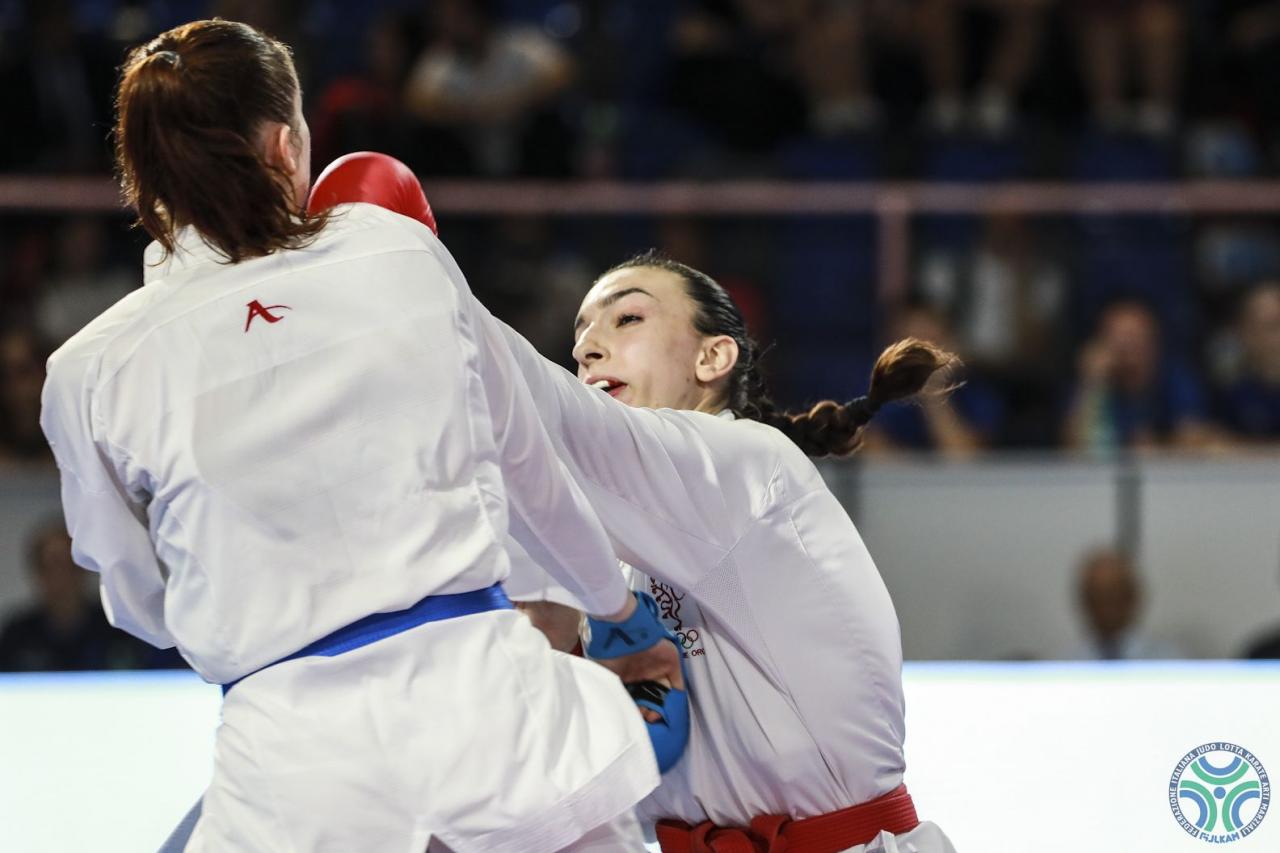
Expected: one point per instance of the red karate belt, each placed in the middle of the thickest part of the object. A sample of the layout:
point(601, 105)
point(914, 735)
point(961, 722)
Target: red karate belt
point(828, 833)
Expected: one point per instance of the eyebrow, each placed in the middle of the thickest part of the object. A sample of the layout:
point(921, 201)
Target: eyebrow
point(612, 298)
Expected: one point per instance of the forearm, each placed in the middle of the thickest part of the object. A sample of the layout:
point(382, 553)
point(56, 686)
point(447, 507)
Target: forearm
point(558, 622)
point(534, 569)
point(546, 504)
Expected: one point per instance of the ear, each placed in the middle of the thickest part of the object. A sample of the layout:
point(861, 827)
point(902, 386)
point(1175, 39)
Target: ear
point(281, 152)
point(716, 358)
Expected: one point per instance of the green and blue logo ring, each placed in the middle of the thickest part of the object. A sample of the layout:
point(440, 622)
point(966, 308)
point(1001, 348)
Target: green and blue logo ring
point(1223, 781)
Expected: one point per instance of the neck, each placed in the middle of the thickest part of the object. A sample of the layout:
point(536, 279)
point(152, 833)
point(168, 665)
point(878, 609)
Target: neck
point(711, 405)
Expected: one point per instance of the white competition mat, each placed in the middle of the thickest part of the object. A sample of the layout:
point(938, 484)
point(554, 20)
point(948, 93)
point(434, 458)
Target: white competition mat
point(1007, 758)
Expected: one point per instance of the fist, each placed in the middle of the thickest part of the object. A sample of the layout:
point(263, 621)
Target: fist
point(375, 179)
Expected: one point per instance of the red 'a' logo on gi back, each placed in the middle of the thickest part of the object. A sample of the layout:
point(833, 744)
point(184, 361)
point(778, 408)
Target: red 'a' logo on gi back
point(256, 309)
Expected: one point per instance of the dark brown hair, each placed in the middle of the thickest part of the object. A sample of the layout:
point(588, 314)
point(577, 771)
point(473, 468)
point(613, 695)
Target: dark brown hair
point(189, 106)
point(829, 428)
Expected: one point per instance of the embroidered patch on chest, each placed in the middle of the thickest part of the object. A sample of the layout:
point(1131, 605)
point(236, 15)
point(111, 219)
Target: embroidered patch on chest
point(678, 615)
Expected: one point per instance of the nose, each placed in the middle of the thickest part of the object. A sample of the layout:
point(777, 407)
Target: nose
point(588, 350)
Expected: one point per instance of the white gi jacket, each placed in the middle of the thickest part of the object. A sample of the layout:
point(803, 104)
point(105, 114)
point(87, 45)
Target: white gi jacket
point(245, 486)
point(792, 642)
point(255, 455)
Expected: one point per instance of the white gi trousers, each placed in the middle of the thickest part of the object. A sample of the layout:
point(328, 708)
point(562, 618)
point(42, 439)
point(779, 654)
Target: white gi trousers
point(470, 731)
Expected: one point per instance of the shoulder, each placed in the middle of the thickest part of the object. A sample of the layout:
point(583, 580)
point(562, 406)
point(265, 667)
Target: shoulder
point(73, 362)
point(360, 223)
point(362, 230)
point(760, 452)
point(734, 433)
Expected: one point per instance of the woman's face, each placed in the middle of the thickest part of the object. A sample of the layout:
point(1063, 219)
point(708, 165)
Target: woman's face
point(634, 338)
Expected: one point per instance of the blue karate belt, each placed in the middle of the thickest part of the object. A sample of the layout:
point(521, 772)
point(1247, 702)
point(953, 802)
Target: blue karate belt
point(379, 626)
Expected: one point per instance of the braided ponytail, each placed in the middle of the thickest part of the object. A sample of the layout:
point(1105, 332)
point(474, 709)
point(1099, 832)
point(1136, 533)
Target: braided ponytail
point(829, 428)
point(835, 429)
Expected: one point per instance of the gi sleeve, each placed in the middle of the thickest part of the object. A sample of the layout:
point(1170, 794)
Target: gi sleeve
point(554, 519)
point(108, 526)
point(656, 484)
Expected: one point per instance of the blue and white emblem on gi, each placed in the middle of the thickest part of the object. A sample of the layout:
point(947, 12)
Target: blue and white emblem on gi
point(1228, 787)
point(642, 630)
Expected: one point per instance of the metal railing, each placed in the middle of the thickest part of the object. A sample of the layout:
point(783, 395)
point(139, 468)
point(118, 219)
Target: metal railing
point(891, 204)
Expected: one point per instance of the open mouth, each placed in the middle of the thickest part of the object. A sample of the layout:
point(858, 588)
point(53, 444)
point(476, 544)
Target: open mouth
point(612, 387)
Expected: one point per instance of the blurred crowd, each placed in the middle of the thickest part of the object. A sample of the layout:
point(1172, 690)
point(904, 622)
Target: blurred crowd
point(1099, 333)
point(64, 629)
point(1094, 332)
point(651, 88)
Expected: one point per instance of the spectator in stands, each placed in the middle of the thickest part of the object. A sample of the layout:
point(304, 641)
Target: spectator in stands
point(1249, 407)
point(25, 251)
point(1145, 37)
point(534, 283)
point(1021, 23)
point(57, 85)
point(65, 629)
point(1130, 394)
point(833, 51)
point(686, 239)
point(365, 111)
point(494, 87)
point(1110, 596)
point(734, 71)
point(956, 427)
point(22, 358)
point(1264, 646)
point(283, 19)
point(83, 283)
point(1008, 294)
point(1248, 33)
point(832, 59)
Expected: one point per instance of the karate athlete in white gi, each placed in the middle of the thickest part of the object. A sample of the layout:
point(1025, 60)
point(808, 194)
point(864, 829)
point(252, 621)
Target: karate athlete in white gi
point(792, 643)
point(793, 646)
point(290, 454)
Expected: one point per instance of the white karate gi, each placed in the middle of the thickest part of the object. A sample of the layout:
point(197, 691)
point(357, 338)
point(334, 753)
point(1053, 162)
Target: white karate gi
point(791, 640)
point(254, 455)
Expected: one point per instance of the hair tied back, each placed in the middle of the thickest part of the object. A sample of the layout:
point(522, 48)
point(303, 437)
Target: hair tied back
point(863, 409)
point(168, 57)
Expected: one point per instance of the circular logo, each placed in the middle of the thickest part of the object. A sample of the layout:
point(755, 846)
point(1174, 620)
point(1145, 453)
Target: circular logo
point(1224, 789)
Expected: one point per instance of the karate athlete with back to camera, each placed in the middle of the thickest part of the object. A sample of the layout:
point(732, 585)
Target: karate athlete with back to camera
point(794, 647)
point(292, 454)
